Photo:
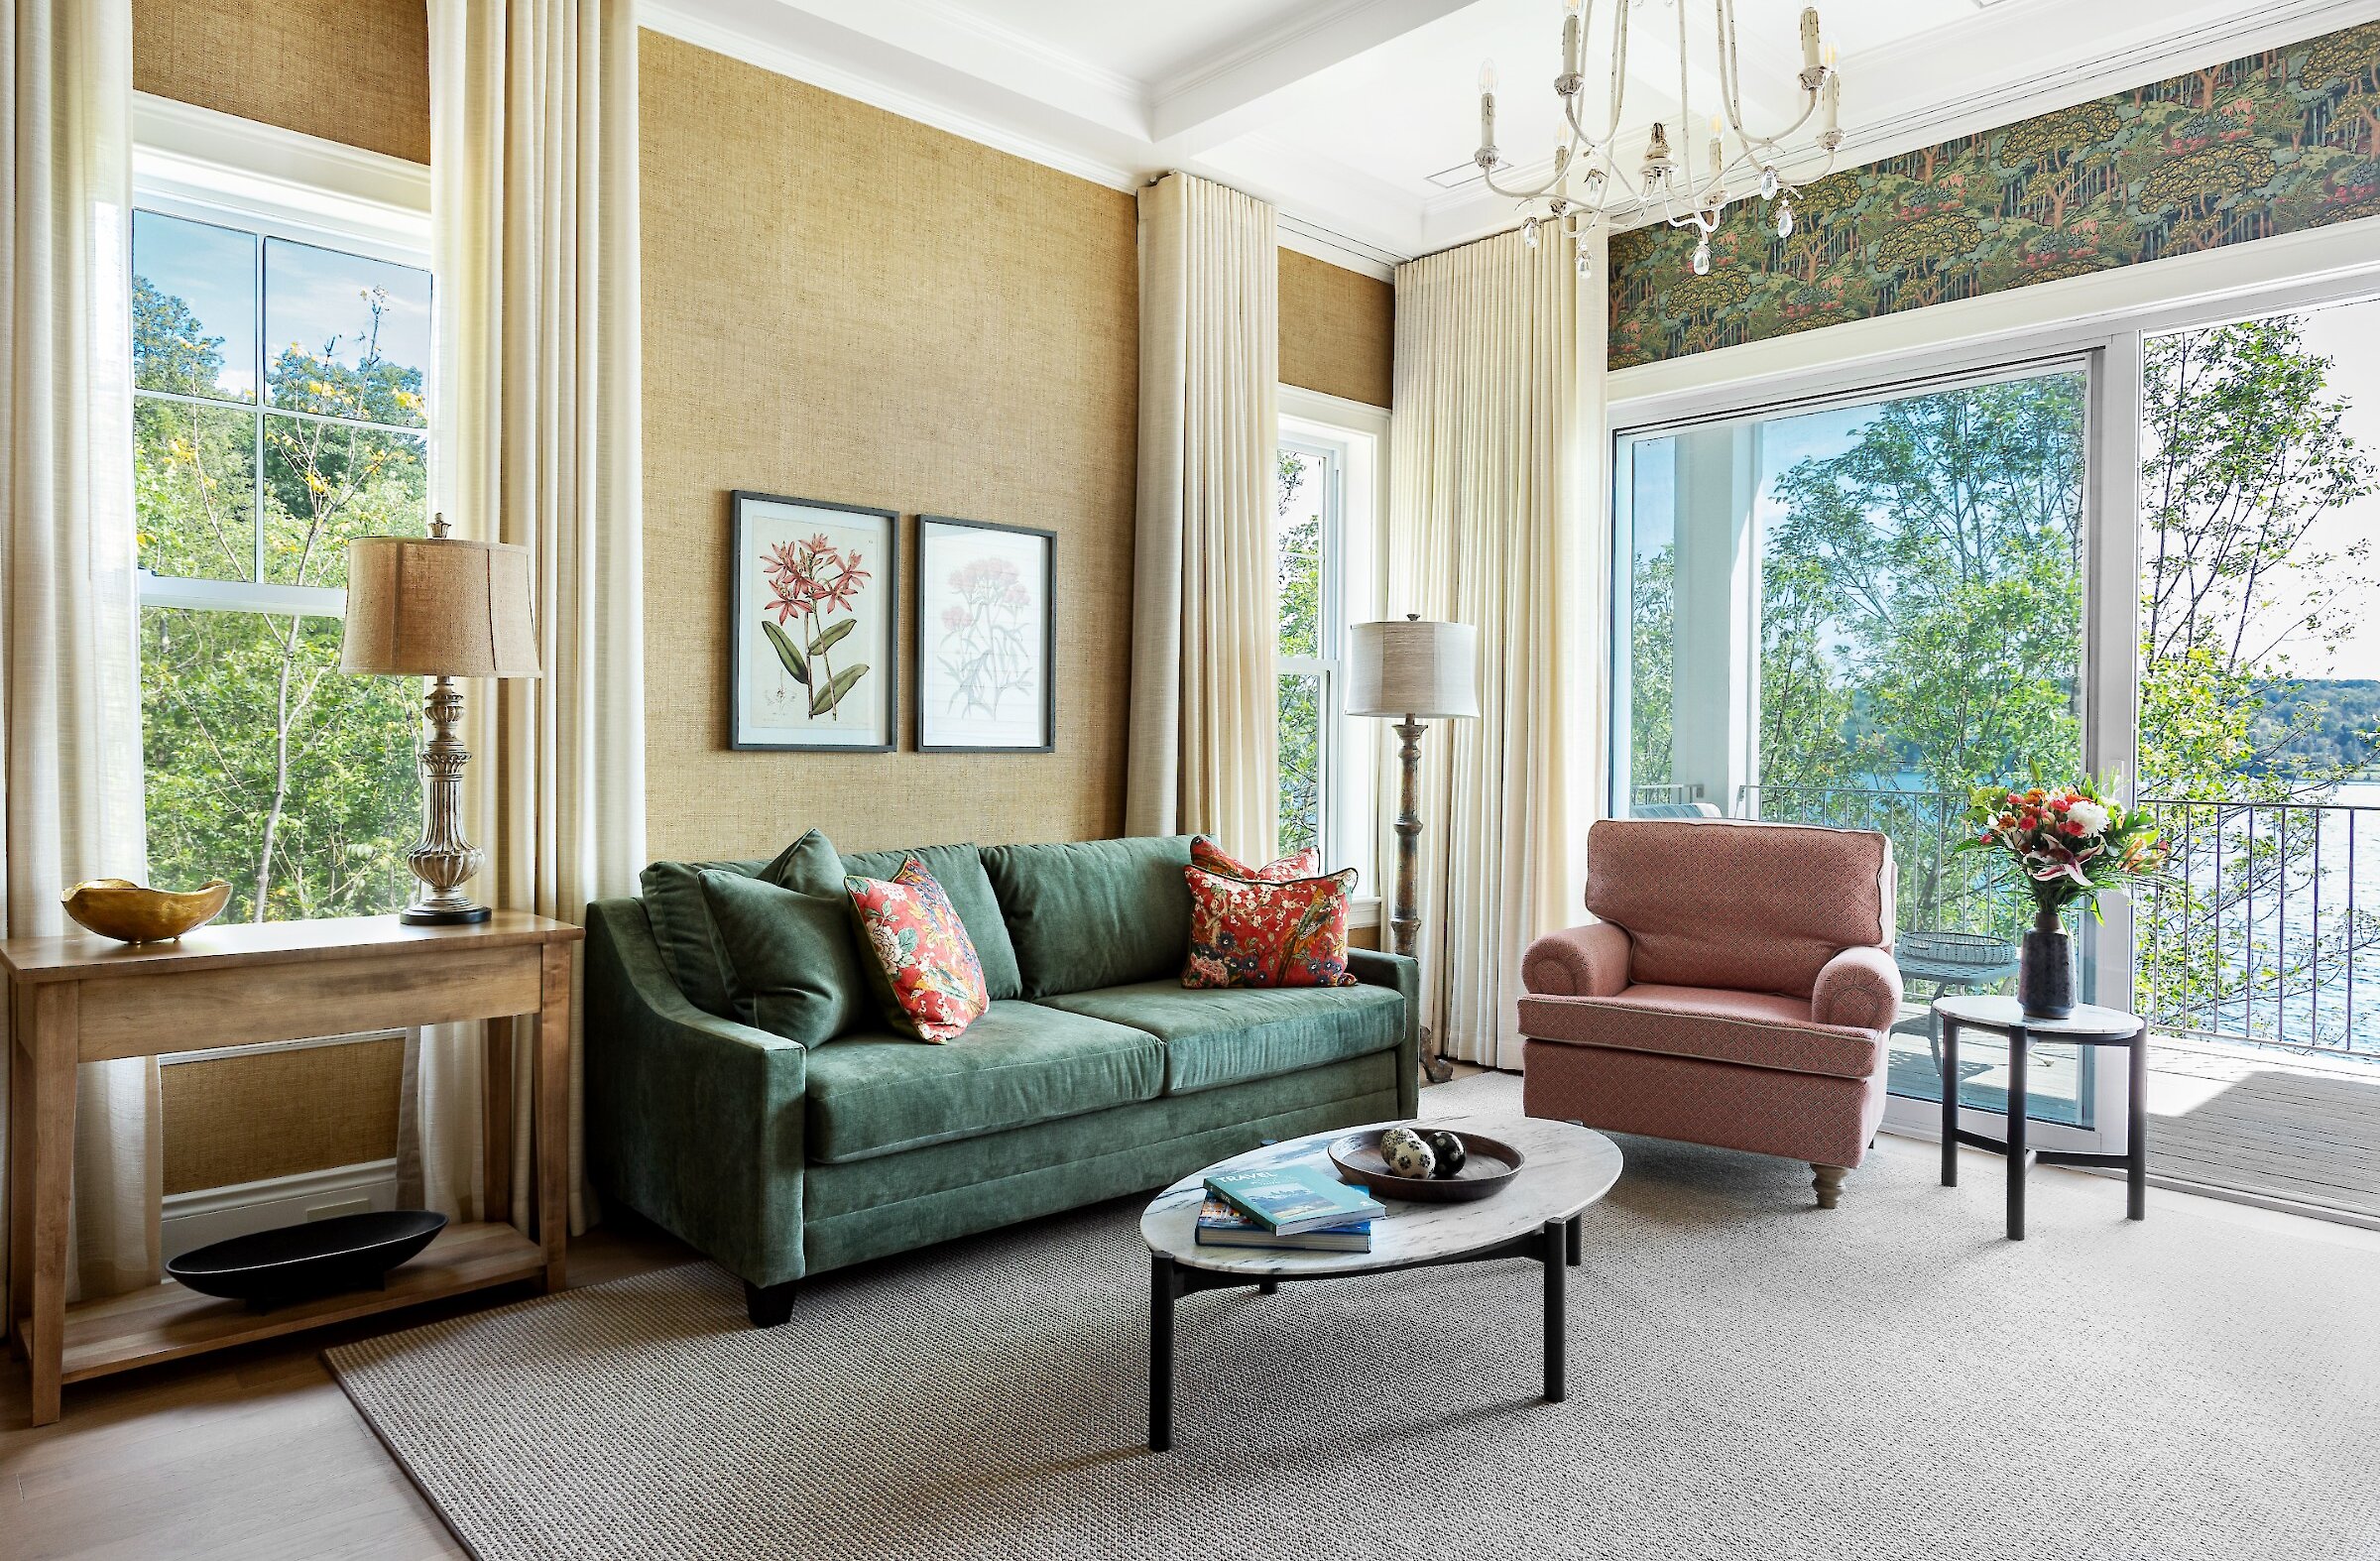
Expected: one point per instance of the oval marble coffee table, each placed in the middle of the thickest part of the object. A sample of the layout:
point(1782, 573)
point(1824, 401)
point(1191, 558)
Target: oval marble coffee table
point(1536, 1216)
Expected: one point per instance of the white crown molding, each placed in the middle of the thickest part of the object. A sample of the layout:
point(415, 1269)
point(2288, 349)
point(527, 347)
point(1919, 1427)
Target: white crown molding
point(776, 36)
point(1238, 87)
point(1337, 249)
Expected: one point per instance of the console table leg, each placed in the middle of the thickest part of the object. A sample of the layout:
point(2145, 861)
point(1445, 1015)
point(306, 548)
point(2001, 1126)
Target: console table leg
point(552, 1166)
point(1162, 1287)
point(1557, 1278)
point(51, 1016)
point(1950, 1104)
point(2017, 1109)
point(2136, 1134)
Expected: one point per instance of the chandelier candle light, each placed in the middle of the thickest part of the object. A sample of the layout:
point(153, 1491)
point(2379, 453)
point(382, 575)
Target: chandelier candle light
point(1587, 174)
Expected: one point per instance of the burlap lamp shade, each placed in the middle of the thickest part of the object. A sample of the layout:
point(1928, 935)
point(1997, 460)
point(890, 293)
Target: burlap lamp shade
point(438, 607)
point(1406, 667)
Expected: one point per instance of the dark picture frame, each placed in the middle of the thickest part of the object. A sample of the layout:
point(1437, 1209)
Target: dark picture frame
point(767, 658)
point(990, 644)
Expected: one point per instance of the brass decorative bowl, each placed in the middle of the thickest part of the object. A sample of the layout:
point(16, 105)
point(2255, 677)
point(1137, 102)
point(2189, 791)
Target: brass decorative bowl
point(122, 910)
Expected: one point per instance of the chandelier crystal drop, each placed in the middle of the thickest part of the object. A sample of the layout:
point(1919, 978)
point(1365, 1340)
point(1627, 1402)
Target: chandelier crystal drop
point(1587, 176)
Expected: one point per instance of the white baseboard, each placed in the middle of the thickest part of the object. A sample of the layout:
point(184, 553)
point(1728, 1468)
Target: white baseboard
point(190, 1220)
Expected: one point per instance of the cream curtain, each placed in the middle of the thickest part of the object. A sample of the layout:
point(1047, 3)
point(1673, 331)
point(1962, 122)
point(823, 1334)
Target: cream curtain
point(70, 782)
point(1201, 748)
point(533, 218)
point(1489, 481)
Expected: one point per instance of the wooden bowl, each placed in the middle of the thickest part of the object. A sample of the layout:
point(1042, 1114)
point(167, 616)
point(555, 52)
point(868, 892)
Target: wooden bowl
point(119, 909)
point(1488, 1165)
point(350, 1251)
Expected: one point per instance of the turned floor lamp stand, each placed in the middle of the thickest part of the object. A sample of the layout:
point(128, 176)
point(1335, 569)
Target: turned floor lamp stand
point(1404, 922)
point(1414, 673)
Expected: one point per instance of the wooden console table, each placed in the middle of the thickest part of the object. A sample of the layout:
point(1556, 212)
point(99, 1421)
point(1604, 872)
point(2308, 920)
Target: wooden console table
point(85, 999)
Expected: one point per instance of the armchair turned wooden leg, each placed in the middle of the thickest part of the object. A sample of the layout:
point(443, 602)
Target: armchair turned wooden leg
point(768, 1306)
point(1828, 1180)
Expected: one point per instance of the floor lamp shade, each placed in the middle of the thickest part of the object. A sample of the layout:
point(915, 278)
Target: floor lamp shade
point(438, 607)
point(1409, 667)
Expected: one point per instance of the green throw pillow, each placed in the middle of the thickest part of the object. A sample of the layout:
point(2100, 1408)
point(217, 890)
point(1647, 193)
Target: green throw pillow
point(1092, 913)
point(681, 918)
point(793, 969)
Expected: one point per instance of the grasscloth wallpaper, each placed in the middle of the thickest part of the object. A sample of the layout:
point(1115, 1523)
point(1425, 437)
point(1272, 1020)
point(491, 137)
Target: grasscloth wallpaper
point(1337, 330)
point(844, 305)
point(351, 71)
point(2274, 143)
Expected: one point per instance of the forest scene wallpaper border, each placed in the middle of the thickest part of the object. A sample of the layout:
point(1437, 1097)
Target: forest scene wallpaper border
point(2274, 143)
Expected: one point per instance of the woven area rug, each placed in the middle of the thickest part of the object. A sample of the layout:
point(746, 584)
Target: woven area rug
point(1749, 1377)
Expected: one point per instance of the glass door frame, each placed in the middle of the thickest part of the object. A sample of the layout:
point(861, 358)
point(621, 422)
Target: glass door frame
point(2107, 693)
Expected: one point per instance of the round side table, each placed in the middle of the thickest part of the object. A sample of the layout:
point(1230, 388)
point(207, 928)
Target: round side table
point(2088, 1026)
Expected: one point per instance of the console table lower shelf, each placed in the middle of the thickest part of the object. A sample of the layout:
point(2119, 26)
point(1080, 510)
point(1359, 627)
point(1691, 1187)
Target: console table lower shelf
point(166, 1322)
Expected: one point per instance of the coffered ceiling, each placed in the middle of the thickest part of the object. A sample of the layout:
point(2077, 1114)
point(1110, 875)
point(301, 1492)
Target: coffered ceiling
point(1359, 117)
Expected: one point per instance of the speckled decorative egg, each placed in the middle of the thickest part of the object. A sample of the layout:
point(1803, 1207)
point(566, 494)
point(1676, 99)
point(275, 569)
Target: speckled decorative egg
point(1447, 1154)
point(1407, 1153)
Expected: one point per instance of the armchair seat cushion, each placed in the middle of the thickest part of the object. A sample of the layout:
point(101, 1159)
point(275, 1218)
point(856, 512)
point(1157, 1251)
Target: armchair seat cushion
point(1715, 1024)
point(1018, 1063)
point(1217, 1036)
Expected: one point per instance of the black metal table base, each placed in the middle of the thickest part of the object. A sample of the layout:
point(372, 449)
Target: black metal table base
point(1555, 1247)
point(2134, 1162)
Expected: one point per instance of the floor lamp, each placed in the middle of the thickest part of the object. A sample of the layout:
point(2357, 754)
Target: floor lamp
point(1418, 672)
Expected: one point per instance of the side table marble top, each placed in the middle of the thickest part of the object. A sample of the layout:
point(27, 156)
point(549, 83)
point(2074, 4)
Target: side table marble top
point(1565, 1167)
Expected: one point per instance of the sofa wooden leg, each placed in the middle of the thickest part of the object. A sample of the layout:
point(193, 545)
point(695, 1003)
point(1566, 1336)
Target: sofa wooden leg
point(1828, 1180)
point(769, 1304)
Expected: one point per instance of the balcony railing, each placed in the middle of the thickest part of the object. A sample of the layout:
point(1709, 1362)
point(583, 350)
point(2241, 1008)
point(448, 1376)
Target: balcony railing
point(2266, 927)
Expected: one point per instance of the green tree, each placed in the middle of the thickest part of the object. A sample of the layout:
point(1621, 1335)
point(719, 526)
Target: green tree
point(1299, 716)
point(265, 764)
point(1652, 666)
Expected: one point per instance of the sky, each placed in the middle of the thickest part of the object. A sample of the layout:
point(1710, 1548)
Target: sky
point(311, 294)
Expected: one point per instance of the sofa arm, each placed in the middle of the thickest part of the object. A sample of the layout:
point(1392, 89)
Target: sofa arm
point(1860, 988)
point(693, 1120)
point(1375, 969)
point(1590, 961)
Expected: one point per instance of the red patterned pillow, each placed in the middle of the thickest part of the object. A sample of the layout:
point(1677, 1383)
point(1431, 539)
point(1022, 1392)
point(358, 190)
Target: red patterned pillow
point(1246, 933)
point(1303, 864)
point(921, 959)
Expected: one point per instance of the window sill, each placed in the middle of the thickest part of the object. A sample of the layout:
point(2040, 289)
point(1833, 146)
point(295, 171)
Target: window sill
point(1363, 910)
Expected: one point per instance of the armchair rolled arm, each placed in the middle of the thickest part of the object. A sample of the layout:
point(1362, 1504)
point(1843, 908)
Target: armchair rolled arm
point(1860, 988)
point(1590, 961)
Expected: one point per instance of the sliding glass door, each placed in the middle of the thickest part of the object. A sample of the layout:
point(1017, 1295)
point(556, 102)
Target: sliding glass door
point(1851, 613)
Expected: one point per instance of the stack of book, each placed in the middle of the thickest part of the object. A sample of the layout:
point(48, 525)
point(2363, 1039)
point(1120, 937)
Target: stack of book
point(1298, 1208)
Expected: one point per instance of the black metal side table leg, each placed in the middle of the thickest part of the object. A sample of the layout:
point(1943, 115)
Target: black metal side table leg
point(1163, 1286)
point(1578, 1238)
point(2017, 1108)
point(1950, 1104)
point(2136, 1132)
point(1555, 1258)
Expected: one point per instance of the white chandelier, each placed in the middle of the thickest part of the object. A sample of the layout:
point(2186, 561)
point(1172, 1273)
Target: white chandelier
point(1587, 174)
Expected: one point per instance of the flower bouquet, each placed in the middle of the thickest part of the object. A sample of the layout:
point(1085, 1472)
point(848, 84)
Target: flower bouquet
point(2067, 844)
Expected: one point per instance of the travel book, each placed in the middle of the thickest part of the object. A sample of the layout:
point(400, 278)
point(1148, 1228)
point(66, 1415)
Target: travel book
point(1221, 1225)
point(1288, 1199)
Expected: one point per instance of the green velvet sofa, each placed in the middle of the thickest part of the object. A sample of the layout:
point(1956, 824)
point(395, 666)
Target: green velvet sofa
point(1094, 1074)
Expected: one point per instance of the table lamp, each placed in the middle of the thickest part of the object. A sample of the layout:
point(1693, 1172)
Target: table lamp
point(439, 608)
point(1419, 672)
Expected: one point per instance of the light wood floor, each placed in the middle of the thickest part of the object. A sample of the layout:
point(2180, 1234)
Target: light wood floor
point(246, 1455)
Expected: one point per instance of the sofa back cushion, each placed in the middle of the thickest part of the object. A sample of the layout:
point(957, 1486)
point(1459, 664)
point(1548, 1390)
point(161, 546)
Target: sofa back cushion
point(1091, 914)
point(793, 964)
point(959, 870)
point(682, 930)
point(1749, 907)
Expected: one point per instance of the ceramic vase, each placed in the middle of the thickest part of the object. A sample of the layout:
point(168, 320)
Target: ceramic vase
point(2045, 980)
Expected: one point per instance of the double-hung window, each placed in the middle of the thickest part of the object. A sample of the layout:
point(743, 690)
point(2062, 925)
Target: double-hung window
point(281, 408)
point(1325, 489)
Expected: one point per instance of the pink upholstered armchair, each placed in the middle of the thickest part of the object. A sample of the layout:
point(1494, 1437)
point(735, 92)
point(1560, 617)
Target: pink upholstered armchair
point(1734, 990)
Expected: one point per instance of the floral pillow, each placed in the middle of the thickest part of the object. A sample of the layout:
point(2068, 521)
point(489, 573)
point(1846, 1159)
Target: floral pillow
point(1247, 932)
point(919, 956)
point(1207, 854)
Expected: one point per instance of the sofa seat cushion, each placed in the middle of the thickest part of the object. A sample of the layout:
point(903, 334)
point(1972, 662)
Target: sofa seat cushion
point(1018, 1063)
point(1225, 1036)
point(1752, 1029)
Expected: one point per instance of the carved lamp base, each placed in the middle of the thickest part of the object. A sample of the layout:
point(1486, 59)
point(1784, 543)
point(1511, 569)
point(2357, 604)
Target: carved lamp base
point(444, 915)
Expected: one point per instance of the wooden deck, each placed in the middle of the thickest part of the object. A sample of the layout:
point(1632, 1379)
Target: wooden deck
point(2271, 1124)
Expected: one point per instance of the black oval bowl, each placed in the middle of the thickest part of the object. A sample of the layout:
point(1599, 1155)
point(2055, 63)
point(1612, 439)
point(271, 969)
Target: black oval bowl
point(1489, 1166)
point(352, 1252)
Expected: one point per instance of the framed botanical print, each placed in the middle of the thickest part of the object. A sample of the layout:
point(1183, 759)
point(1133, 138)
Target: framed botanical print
point(814, 602)
point(987, 637)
